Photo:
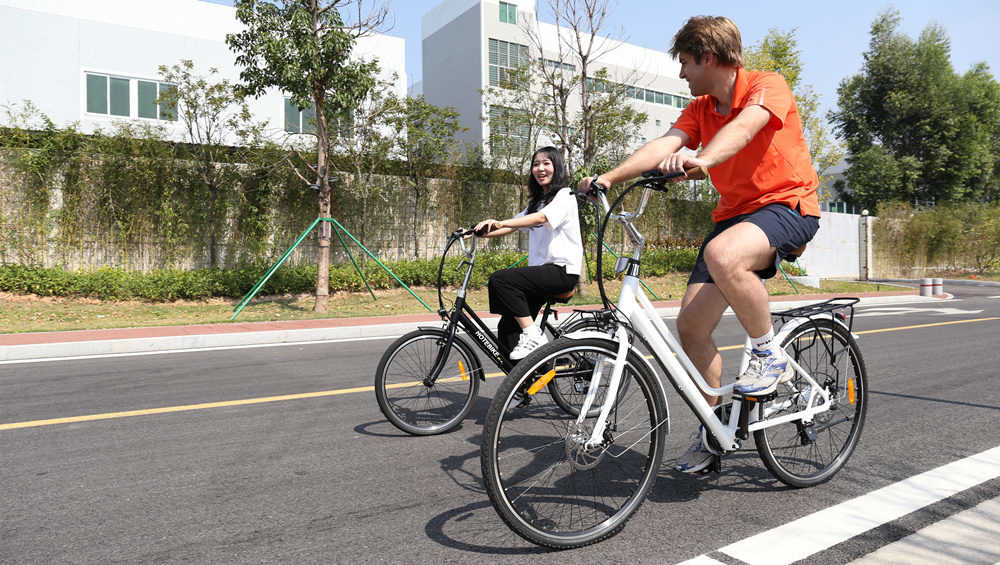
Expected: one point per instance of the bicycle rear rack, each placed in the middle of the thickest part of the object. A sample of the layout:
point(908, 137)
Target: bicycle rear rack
point(835, 306)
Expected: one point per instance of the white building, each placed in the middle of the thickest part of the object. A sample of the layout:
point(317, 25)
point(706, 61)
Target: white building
point(95, 62)
point(469, 44)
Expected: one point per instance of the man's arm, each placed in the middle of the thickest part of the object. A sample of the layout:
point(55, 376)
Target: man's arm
point(733, 137)
point(645, 158)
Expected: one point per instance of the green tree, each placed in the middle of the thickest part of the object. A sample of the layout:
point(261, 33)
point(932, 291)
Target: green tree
point(304, 48)
point(778, 51)
point(917, 131)
point(425, 139)
point(220, 130)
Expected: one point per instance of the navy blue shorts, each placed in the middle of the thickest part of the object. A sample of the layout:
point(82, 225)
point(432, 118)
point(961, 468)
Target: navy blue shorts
point(786, 229)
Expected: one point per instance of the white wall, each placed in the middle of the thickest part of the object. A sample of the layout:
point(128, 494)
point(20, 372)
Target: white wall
point(51, 44)
point(835, 251)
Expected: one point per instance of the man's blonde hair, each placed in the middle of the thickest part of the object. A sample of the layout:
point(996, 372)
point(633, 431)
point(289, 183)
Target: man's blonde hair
point(717, 35)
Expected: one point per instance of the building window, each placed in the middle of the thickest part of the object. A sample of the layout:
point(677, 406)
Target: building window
point(505, 58)
point(299, 121)
point(508, 127)
point(508, 13)
point(108, 95)
point(657, 123)
point(112, 96)
point(155, 100)
point(553, 64)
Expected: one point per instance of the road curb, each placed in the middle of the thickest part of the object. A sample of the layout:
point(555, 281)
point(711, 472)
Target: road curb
point(203, 342)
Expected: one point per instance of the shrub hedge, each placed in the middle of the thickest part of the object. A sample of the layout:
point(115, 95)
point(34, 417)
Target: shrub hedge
point(173, 284)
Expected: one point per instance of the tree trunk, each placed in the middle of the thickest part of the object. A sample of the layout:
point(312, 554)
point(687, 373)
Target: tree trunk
point(323, 181)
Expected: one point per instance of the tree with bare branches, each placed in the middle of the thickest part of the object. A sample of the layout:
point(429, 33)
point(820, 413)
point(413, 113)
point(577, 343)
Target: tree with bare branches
point(588, 115)
point(304, 48)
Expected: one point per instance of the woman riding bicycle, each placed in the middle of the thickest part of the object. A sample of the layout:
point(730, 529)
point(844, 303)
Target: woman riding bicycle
point(555, 255)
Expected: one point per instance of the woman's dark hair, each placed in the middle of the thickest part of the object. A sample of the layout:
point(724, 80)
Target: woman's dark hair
point(560, 179)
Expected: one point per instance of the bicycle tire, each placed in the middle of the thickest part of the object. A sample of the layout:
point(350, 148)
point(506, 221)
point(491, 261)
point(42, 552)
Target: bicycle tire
point(802, 454)
point(542, 483)
point(424, 409)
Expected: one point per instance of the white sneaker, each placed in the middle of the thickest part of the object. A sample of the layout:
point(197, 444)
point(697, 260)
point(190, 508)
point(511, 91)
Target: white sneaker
point(764, 373)
point(696, 458)
point(530, 340)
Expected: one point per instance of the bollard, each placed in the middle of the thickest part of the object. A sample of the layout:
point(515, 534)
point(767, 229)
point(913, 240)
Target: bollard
point(926, 287)
point(937, 287)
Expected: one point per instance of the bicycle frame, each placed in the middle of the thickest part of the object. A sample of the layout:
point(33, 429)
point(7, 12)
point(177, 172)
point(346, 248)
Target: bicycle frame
point(464, 316)
point(634, 306)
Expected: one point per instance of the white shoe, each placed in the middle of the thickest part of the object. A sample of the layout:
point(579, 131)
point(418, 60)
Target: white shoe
point(696, 458)
point(528, 342)
point(764, 373)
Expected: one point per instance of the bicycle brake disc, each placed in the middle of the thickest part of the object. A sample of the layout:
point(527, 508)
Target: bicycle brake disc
point(579, 456)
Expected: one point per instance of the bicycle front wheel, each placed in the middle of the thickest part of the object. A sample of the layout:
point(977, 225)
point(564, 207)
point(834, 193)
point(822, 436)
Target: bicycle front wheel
point(407, 395)
point(541, 476)
point(803, 453)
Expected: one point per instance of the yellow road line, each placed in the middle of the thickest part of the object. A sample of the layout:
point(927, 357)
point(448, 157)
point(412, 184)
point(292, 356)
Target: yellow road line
point(318, 394)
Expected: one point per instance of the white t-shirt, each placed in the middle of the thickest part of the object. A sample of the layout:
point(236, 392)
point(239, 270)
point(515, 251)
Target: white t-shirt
point(557, 240)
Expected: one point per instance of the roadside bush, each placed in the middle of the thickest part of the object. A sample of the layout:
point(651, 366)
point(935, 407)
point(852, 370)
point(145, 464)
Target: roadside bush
point(174, 284)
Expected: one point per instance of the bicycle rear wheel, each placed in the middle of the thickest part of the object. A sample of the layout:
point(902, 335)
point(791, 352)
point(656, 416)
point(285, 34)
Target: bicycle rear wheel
point(800, 453)
point(411, 401)
point(542, 480)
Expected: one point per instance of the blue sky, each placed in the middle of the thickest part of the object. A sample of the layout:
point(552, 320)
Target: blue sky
point(832, 35)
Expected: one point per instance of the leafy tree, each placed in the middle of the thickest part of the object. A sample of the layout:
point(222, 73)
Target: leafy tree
point(304, 48)
point(425, 138)
point(917, 131)
point(220, 130)
point(778, 51)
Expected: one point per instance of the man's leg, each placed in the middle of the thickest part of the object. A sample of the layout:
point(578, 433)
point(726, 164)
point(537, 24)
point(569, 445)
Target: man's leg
point(701, 310)
point(732, 259)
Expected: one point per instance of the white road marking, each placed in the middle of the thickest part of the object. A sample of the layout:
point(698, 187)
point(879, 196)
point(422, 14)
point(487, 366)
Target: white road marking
point(195, 350)
point(702, 560)
point(823, 529)
point(896, 311)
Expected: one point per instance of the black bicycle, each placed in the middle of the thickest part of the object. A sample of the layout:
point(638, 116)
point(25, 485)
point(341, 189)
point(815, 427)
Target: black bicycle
point(427, 380)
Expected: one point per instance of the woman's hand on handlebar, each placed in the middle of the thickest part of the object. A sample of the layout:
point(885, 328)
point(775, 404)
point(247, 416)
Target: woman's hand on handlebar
point(483, 228)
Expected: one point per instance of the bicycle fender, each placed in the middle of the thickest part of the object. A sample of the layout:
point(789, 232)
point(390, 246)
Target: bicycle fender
point(794, 323)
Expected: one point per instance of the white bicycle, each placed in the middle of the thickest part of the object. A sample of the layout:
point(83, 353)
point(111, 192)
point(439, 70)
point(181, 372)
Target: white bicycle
point(566, 480)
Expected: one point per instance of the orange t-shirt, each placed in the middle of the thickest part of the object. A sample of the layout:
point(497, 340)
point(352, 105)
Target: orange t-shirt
point(775, 166)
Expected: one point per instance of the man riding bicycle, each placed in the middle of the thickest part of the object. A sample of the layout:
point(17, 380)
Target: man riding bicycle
point(751, 139)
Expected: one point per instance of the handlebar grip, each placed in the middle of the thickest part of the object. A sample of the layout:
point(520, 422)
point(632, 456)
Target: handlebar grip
point(694, 173)
point(594, 185)
point(480, 232)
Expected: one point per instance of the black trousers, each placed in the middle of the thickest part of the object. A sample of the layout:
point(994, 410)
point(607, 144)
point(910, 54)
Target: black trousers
point(521, 292)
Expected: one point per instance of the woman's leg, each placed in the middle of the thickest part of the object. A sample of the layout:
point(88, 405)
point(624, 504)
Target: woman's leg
point(518, 294)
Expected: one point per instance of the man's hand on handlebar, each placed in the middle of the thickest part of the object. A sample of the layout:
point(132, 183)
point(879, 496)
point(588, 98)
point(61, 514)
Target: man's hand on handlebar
point(682, 163)
point(586, 184)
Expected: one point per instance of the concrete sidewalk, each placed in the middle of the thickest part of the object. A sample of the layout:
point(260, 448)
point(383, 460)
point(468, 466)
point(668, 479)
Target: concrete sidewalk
point(161, 339)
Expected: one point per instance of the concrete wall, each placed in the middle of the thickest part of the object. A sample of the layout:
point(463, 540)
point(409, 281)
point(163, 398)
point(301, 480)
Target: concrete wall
point(835, 251)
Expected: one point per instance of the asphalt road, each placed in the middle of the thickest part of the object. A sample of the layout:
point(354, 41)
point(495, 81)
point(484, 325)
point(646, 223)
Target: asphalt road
point(322, 477)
